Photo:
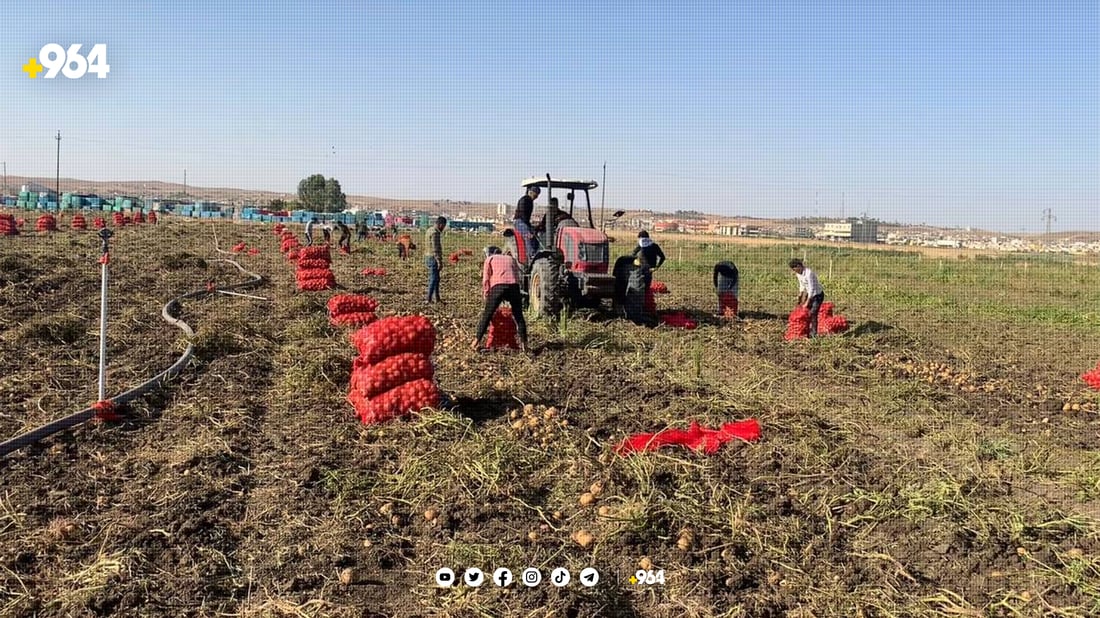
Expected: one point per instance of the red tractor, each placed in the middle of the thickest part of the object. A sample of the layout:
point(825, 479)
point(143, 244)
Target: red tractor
point(570, 268)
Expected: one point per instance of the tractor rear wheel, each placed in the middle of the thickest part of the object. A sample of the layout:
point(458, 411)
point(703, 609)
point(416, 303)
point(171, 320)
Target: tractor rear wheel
point(547, 288)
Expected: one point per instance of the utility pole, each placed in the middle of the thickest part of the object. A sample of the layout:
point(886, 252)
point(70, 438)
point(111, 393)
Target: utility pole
point(603, 193)
point(57, 187)
point(184, 183)
point(1048, 216)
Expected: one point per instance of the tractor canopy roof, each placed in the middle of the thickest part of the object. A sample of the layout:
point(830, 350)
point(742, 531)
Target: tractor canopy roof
point(558, 183)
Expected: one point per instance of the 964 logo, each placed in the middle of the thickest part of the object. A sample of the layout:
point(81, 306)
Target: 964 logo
point(70, 62)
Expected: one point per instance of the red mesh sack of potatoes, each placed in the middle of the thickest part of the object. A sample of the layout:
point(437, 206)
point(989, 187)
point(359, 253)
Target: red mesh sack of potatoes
point(826, 311)
point(502, 330)
point(832, 325)
point(7, 226)
point(279, 227)
point(1092, 378)
point(292, 255)
point(119, 219)
point(454, 257)
point(152, 217)
point(311, 273)
point(798, 324)
point(678, 319)
point(239, 247)
point(727, 304)
point(46, 223)
point(79, 222)
point(356, 318)
point(288, 244)
point(658, 287)
point(351, 303)
point(98, 223)
point(139, 217)
point(389, 373)
point(395, 335)
point(409, 397)
point(310, 264)
point(315, 253)
point(315, 280)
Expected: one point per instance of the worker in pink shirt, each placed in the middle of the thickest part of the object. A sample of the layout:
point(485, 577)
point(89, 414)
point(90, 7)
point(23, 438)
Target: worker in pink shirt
point(500, 279)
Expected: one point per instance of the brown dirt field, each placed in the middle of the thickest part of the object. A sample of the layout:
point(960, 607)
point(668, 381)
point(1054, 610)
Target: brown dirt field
point(883, 486)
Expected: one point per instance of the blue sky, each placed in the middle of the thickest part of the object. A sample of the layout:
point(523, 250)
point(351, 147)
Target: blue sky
point(950, 113)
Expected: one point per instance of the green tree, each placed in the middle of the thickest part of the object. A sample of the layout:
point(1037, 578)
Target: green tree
point(321, 195)
point(278, 204)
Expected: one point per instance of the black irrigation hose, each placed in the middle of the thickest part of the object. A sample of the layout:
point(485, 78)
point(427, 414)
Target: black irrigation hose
point(169, 312)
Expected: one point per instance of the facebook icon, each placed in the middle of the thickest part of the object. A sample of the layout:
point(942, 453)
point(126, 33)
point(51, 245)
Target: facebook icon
point(502, 578)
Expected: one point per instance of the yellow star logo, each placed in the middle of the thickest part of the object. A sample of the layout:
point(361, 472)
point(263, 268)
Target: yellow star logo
point(32, 68)
point(633, 580)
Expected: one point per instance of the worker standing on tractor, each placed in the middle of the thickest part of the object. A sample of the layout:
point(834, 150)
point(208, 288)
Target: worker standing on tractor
point(726, 280)
point(810, 292)
point(345, 236)
point(500, 279)
point(433, 257)
point(309, 231)
point(522, 219)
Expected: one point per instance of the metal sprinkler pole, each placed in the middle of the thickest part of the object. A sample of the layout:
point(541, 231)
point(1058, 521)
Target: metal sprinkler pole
point(104, 235)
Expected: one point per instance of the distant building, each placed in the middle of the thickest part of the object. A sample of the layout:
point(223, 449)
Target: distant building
point(854, 230)
point(666, 226)
point(803, 232)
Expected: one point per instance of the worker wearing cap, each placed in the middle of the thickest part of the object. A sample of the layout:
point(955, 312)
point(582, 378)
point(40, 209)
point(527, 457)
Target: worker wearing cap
point(522, 219)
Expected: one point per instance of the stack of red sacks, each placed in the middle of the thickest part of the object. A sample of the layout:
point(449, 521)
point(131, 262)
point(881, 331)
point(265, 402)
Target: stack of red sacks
point(139, 217)
point(290, 245)
point(98, 223)
point(798, 323)
point(502, 330)
point(1092, 378)
point(658, 287)
point(46, 223)
point(279, 227)
point(153, 217)
point(351, 310)
point(314, 270)
point(829, 324)
point(393, 374)
point(119, 219)
point(8, 226)
point(79, 222)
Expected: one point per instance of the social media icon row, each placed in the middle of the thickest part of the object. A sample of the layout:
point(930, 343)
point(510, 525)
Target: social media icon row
point(502, 578)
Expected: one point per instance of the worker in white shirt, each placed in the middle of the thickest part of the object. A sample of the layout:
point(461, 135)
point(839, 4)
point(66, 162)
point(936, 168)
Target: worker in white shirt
point(810, 292)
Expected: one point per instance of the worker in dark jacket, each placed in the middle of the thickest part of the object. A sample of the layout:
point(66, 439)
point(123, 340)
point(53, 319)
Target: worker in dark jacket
point(650, 253)
point(522, 219)
point(726, 283)
point(345, 236)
